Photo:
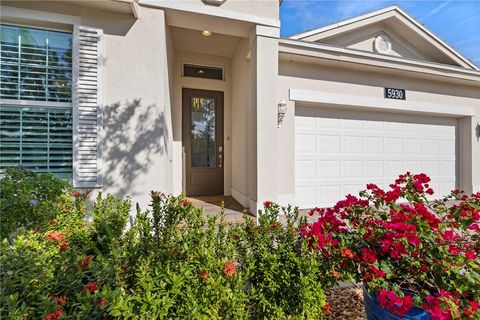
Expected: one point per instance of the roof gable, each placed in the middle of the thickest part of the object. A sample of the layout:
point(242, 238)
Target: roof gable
point(388, 31)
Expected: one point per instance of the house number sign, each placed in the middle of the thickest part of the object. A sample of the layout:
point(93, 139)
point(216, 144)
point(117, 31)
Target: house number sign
point(397, 94)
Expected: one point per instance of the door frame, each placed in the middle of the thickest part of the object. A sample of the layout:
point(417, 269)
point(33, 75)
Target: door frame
point(219, 137)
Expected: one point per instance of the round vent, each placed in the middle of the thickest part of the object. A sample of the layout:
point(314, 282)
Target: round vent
point(382, 44)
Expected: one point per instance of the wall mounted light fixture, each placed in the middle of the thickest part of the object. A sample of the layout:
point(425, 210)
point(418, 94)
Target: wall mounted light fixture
point(282, 110)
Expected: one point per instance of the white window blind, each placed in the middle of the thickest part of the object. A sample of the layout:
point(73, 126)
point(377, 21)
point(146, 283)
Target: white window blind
point(39, 139)
point(36, 64)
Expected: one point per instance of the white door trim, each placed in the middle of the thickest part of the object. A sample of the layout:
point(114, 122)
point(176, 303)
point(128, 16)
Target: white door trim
point(371, 103)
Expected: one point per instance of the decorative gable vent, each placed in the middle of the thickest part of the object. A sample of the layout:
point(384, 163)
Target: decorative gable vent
point(87, 108)
point(382, 44)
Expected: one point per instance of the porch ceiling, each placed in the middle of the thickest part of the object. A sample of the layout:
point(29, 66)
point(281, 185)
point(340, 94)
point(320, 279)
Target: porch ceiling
point(193, 41)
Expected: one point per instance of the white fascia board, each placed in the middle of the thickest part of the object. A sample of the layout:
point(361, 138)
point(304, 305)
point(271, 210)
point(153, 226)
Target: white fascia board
point(210, 10)
point(37, 15)
point(265, 31)
point(317, 50)
point(342, 23)
point(379, 104)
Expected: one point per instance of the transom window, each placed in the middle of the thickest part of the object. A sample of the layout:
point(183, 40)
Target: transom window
point(36, 95)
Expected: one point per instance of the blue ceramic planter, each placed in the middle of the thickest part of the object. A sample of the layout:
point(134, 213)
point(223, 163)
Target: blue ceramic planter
point(375, 312)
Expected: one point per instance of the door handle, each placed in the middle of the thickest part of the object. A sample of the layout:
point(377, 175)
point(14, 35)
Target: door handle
point(220, 156)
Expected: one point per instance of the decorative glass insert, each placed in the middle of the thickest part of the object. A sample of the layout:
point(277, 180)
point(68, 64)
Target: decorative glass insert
point(39, 139)
point(35, 64)
point(203, 133)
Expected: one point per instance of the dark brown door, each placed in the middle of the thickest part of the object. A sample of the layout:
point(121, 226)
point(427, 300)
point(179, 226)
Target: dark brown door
point(203, 141)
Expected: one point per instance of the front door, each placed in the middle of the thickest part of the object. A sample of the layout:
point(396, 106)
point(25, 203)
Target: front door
point(203, 141)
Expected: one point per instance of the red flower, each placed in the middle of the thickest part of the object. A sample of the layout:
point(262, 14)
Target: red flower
point(76, 194)
point(474, 226)
point(100, 302)
point(63, 245)
point(470, 255)
point(229, 269)
point(346, 253)
point(326, 309)
point(54, 315)
point(85, 263)
point(450, 236)
point(267, 204)
point(440, 305)
point(369, 255)
point(91, 287)
point(59, 300)
point(185, 202)
point(454, 250)
point(204, 275)
point(393, 303)
point(55, 236)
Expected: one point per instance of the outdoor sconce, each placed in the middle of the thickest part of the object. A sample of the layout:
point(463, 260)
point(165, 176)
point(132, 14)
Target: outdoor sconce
point(214, 2)
point(477, 131)
point(282, 109)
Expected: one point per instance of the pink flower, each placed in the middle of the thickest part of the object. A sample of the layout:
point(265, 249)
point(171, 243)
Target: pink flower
point(454, 250)
point(470, 255)
point(369, 255)
point(393, 303)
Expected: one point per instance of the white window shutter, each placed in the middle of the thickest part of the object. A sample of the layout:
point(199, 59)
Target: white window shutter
point(87, 107)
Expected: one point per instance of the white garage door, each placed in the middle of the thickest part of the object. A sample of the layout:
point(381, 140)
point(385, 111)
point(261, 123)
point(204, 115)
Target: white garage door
point(337, 152)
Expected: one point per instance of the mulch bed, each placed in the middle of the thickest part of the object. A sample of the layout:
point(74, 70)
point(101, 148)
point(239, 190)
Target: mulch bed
point(346, 303)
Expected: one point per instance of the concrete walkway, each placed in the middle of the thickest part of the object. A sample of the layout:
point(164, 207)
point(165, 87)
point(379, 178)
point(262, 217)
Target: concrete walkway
point(212, 207)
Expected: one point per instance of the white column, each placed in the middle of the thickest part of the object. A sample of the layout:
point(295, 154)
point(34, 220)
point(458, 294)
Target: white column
point(265, 63)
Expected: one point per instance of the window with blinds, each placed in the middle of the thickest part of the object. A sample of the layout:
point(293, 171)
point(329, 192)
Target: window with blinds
point(36, 64)
point(39, 139)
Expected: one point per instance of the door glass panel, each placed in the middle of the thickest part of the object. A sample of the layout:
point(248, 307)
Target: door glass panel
point(203, 132)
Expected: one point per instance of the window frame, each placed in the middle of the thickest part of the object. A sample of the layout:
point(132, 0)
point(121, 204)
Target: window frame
point(56, 22)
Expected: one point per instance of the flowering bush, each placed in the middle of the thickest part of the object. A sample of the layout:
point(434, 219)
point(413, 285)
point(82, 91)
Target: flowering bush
point(409, 251)
point(27, 199)
point(171, 262)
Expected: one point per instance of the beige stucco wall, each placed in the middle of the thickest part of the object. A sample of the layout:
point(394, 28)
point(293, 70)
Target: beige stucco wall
point(137, 135)
point(327, 77)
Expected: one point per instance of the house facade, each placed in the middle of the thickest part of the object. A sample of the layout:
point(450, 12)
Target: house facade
point(206, 98)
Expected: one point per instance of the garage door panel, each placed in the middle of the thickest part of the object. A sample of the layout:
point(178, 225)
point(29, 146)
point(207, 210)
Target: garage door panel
point(328, 168)
point(374, 169)
point(338, 152)
point(306, 195)
point(352, 169)
point(306, 143)
point(305, 169)
point(394, 144)
point(329, 143)
point(374, 145)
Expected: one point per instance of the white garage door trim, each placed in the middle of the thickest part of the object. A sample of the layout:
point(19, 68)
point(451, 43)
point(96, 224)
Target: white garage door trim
point(338, 151)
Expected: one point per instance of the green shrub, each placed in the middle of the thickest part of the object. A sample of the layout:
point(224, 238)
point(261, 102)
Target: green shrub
point(171, 262)
point(28, 199)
